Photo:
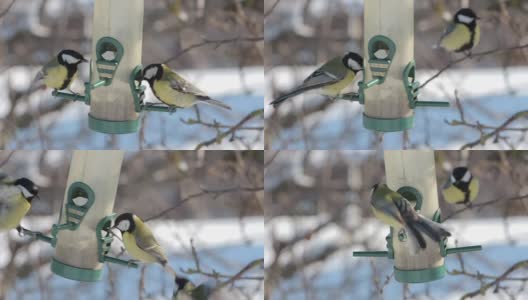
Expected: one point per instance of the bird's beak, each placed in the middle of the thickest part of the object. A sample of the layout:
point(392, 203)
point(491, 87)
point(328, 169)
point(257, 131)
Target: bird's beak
point(84, 60)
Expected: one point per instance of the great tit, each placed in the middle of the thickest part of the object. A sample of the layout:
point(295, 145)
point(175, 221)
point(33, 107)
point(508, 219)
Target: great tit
point(461, 187)
point(15, 201)
point(463, 34)
point(186, 290)
point(139, 241)
point(58, 73)
point(331, 78)
point(393, 209)
point(173, 90)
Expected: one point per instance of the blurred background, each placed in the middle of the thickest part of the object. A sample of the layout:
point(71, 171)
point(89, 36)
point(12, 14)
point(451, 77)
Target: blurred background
point(318, 213)
point(301, 35)
point(217, 45)
point(212, 200)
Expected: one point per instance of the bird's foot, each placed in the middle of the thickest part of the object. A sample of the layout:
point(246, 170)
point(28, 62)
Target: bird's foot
point(20, 231)
point(172, 109)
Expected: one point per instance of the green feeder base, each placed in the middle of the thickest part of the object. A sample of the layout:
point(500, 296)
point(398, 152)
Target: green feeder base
point(113, 127)
point(388, 125)
point(419, 276)
point(75, 273)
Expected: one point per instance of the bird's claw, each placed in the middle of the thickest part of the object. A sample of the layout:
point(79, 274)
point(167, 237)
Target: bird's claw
point(20, 231)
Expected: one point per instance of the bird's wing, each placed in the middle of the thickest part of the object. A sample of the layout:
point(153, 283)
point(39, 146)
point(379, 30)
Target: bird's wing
point(148, 243)
point(181, 85)
point(388, 206)
point(8, 196)
point(329, 73)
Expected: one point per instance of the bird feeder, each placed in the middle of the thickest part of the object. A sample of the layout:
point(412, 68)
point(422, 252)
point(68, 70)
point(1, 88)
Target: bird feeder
point(114, 91)
point(412, 174)
point(388, 90)
point(82, 237)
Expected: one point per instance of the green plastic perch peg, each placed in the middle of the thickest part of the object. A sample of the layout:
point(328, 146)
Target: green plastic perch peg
point(463, 249)
point(411, 88)
point(68, 96)
point(370, 254)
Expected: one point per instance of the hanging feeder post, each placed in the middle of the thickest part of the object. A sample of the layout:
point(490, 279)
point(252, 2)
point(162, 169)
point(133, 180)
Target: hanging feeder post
point(414, 171)
point(89, 198)
point(117, 42)
point(389, 90)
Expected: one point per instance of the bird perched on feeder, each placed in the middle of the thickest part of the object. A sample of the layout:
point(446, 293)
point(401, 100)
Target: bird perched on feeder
point(393, 209)
point(186, 290)
point(173, 90)
point(60, 72)
point(461, 187)
point(139, 241)
point(15, 200)
point(331, 78)
point(463, 34)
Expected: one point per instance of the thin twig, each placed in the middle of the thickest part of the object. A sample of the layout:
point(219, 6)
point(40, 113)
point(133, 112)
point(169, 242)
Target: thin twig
point(221, 135)
point(216, 43)
point(5, 11)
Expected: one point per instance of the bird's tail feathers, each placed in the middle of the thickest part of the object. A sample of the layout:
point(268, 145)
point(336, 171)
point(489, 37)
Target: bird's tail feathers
point(216, 103)
point(290, 94)
point(417, 239)
point(432, 229)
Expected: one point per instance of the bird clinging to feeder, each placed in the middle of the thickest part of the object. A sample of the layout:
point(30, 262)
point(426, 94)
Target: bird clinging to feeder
point(59, 72)
point(393, 209)
point(15, 201)
point(173, 90)
point(331, 78)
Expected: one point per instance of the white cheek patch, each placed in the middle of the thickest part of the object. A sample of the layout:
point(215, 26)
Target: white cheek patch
point(467, 176)
point(465, 19)
point(151, 73)
point(70, 59)
point(353, 64)
point(25, 192)
point(124, 225)
point(453, 180)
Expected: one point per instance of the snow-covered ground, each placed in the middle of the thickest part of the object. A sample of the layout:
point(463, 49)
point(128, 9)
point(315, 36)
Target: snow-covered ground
point(223, 245)
point(489, 96)
point(242, 89)
point(504, 243)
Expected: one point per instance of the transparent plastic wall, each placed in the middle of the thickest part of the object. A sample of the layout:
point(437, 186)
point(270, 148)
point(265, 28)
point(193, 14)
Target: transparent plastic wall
point(123, 21)
point(395, 20)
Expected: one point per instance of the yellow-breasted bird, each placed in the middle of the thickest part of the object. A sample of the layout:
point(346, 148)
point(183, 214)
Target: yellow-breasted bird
point(461, 187)
point(393, 209)
point(331, 78)
point(15, 201)
point(139, 241)
point(463, 33)
point(59, 73)
point(186, 290)
point(173, 90)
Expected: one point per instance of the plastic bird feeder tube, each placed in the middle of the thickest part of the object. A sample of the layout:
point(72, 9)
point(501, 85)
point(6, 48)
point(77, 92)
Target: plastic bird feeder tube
point(89, 198)
point(389, 91)
point(116, 53)
point(412, 174)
